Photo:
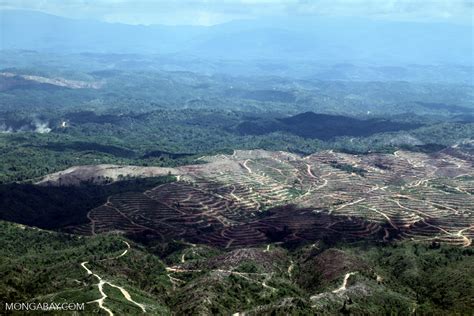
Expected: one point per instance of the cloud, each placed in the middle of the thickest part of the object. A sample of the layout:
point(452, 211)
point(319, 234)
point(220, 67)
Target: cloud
point(209, 12)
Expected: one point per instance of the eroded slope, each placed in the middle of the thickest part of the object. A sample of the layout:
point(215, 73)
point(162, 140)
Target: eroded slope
point(257, 197)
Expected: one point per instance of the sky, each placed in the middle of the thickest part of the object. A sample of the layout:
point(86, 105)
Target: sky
point(211, 12)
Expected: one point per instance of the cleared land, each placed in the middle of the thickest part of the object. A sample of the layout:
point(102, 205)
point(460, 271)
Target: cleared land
point(100, 174)
point(257, 197)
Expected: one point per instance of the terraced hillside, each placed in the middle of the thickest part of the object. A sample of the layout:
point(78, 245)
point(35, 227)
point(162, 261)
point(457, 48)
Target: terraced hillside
point(257, 197)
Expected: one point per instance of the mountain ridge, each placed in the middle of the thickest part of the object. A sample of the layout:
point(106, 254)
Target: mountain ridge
point(318, 39)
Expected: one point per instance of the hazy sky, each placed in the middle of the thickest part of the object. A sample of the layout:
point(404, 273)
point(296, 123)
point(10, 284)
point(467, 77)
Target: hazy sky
point(210, 12)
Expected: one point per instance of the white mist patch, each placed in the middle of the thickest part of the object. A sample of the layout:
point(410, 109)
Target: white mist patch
point(5, 129)
point(41, 127)
point(35, 126)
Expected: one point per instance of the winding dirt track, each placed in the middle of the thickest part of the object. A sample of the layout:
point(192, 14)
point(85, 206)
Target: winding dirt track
point(246, 167)
point(309, 171)
point(344, 283)
point(102, 282)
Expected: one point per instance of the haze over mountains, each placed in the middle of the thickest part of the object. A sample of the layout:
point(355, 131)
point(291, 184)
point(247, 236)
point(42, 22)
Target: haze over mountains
point(321, 39)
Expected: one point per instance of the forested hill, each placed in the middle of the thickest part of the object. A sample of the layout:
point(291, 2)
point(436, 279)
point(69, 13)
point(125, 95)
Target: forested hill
point(322, 126)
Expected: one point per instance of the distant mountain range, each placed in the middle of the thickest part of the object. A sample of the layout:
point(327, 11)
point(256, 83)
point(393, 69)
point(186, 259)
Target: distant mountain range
point(321, 39)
